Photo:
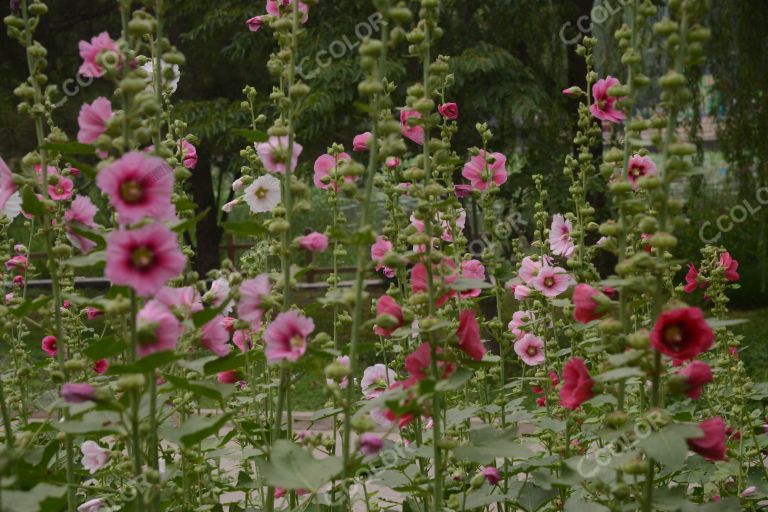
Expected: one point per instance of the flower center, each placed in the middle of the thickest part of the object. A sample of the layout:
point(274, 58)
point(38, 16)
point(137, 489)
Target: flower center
point(297, 341)
point(549, 282)
point(142, 257)
point(673, 336)
point(260, 192)
point(601, 104)
point(59, 190)
point(637, 172)
point(532, 351)
point(130, 191)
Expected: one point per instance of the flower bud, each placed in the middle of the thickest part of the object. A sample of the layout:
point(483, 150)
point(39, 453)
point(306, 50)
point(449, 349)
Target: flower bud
point(131, 382)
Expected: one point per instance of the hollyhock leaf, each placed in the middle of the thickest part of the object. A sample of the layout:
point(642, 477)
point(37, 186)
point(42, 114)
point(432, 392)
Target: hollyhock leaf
point(251, 135)
point(202, 317)
point(576, 505)
point(532, 498)
point(730, 504)
point(624, 357)
point(93, 422)
point(190, 223)
point(43, 496)
point(212, 390)
point(325, 413)
point(69, 148)
point(145, 364)
point(29, 305)
point(669, 445)
point(30, 202)
point(86, 169)
point(457, 380)
point(197, 365)
point(483, 496)
point(462, 284)
point(245, 228)
point(717, 324)
point(231, 362)
point(94, 259)
point(194, 429)
point(292, 467)
point(99, 240)
point(619, 374)
point(486, 444)
point(105, 347)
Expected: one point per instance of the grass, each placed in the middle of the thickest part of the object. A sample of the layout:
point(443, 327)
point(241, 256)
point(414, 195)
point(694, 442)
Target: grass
point(754, 346)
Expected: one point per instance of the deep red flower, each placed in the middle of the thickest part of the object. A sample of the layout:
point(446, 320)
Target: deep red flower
point(449, 111)
point(419, 279)
point(682, 334)
point(696, 374)
point(469, 335)
point(389, 316)
point(711, 445)
point(418, 364)
point(577, 384)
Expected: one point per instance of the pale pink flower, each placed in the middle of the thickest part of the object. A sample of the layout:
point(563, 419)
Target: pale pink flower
point(184, 300)
point(214, 336)
point(472, 269)
point(286, 337)
point(62, 190)
point(552, 281)
point(101, 48)
point(560, 240)
point(94, 456)
point(93, 505)
point(263, 194)
point(361, 141)
point(522, 292)
point(255, 23)
point(80, 216)
point(144, 259)
point(370, 444)
point(393, 162)
point(376, 379)
point(274, 154)
point(252, 291)
point(228, 207)
point(529, 269)
point(603, 107)
point(530, 348)
point(415, 133)
point(158, 327)
point(484, 169)
point(188, 154)
point(242, 339)
point(343, 360)
point(93, 120)
point(314, 242)
point(639, 167)
point(379, 250)
point(138, 186)
point(220, 289)
point(520, 319)
point(323, 166)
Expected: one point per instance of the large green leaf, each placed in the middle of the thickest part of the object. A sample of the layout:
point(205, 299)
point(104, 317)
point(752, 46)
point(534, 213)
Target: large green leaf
point(107, 346)
point(145, 364)
point(213, 390)
point(194, 429)
point(487, 444)
point(43, 497)
point(668, 445)
point(293, 467)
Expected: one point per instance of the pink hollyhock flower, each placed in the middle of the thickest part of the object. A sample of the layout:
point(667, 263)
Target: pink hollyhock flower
point(50, 345)
point(220, 290)
point(682, 334)
point(462, 191)
point(138, 186)
point(389, 316)
point(639, 167)
point(286, 337)
point(603, 107)
point(314, 242)
point(519, 320)
point(229, 377)
point(370, 444)
point(376, 379)
point(158, 327)
point(730, 265)
point(80, 215)
point(93, 120)
point(263, 194)
point(577, 384)
point(586, 307)
point(419, 279)
point(229, 324)
point(530, 348)
point(214, 336)
point(522, 292)
point(62, 190)
point(144, 259)
point(18, 262)
point(552, 281)
point(449, 111)
point(419, 362)
point(252, 291)
point(529, 269)
point(469, 335)
point(18, 281)
point(94, 456)
point(255, 23)
point(323, 166)
point(491, 475)
point(100, 366)
point(448, 224)
point(692, 279)
point(696, 375)
point(484, 169)
point(274, 154)
point(101, 50)
point(560, 240)
point(472, 269)
point(185, 300)
point(77, 393)
point(7, 187)
point(711, 445)
point(344, 361)
point(415, 133)
point(94, 505)
point(273, 8)
point(242, 339)
point(573, 91)
point(393, 162)
point(92, 313)
point(378, 251)
point(361, 141)
point(188, 154)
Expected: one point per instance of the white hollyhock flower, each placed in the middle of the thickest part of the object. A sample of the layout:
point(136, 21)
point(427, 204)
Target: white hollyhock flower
point(263, 194)
point(168, 85)
point(94, 456)
point(12, 207)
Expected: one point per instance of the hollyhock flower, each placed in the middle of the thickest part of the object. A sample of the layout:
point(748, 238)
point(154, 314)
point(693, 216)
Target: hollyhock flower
point(415, 133)
point(419, 279)
point(286, 337)
point(370, 444)
point(100, 366)
point(376, 379)
point(273, 8)
point(682, 334)
point(255, 23)
point(229, 323)
point(389, 316)
point(185, 300)
point(749, 491)
point(560, 240)
point(7, 187)
point(263, 194)
point(519, 320)
point(457, 221)
point(472, 269)
point(18, 281)
point(378, 251)
point(730, 265)
point(692, 280)
point(220, 290)
point(469, 335)
point(314, 242)
point(603, 107)
point(143, 259)
point(80, 215)
point(393, 162)
point(696, 375)
point(573, 91)
point(577, 384)
point(77, 393)
point(214, 336)
point(138, 186)
point(484, 169)
point(252, 291)
point(92, 120)
point(189, 154)
point(94, 456)
point(229, 377)
point(491, 475)
point(462, 191)
point(168, 84)
point(418, 364)
point(274, 154)
point(12, 207)
point(449, 111)
point(639, 167)
point(586, 307)
point(361, 141)
point(530, 348)
point(228, 207)
point(93, 505)
point(102, 50)
point(711, 445)
point(159, 329)
point(18, 262)
point(529, 269)
point(323, 167)
point(92, 313)
point(242, 339)
point(522, 292)
point(552, 281)
point(344, 361)
point(62, 190)
point(50, 345)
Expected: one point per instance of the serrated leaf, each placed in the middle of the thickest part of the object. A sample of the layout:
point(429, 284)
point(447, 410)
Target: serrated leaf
point(107, 346)
point(619, 374)
point(292, 467)
point(96, 258)
point(668, 445)
point(245, 228)
point(42, 497)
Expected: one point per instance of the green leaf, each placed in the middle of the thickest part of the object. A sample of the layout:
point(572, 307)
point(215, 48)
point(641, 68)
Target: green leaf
point(457, 380)
point(716, 324)
point(619, 374)
point(99, 240)
point(69, 148)
point(30, 203)
point(212, 390)
point(29, 305)
point(251, 135)
point(487, 444)
point(92, 422)
point(532, 498)
point(463, 284)
point(107, 346)
point(194, 429)
point(96, 258)
point(245, 228)
point(190, 223)
point(145, 364)
point(293, 467)
point(231, 362)
point(42, 497)
point(668, 445)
